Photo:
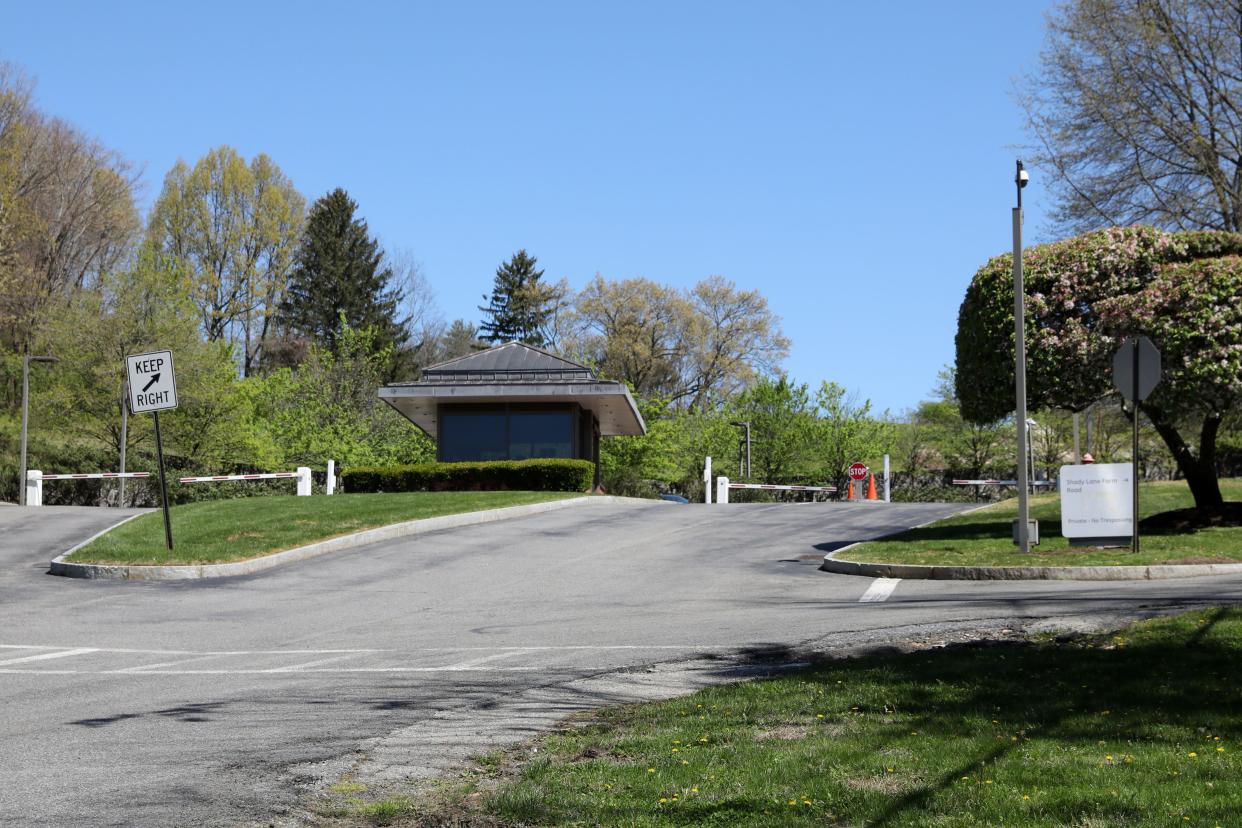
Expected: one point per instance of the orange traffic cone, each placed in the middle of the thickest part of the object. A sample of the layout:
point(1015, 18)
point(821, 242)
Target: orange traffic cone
point(849, 490)
point(871, 495)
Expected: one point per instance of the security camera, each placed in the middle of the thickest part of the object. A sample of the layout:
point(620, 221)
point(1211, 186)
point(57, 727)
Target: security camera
point(1024, 178)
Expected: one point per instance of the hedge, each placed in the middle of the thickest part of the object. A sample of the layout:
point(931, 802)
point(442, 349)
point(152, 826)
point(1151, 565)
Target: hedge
point(522, 475)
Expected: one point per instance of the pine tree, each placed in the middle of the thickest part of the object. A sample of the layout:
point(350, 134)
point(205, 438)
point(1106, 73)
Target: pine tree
point(340, 277)
point(520, 306)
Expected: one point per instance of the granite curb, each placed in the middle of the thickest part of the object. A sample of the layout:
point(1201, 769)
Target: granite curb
point(127, 572)
point(1026, 573)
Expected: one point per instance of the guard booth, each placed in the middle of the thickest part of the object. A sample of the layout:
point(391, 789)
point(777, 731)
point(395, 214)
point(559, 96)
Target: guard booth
point(515, 402)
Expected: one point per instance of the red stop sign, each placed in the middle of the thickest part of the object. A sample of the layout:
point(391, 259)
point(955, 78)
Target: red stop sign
point(858, 471)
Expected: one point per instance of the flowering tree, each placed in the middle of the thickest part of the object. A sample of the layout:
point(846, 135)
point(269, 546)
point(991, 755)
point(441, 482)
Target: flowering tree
point(1084, 294)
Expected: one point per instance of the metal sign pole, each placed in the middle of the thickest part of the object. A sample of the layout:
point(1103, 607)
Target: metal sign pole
point(1134, 347)
point(159, 451)
point(124, 436)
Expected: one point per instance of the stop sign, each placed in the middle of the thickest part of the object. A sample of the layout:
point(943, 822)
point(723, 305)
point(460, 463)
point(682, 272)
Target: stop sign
point(858, 471)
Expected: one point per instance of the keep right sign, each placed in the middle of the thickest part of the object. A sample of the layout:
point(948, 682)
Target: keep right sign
point(152, 385)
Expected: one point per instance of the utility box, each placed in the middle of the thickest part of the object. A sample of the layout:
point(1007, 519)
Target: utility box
point(1032, 532)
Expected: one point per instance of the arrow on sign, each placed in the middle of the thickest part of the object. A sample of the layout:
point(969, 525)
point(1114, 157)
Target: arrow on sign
point(154, 379)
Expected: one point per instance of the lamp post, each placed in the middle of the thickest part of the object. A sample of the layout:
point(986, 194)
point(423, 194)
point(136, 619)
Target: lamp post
point(745, 425)
point(1019, 365)
point(26, 360)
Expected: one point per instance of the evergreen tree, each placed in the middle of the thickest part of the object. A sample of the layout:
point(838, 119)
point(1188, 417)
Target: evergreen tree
point(520, 306)
point(341, 278)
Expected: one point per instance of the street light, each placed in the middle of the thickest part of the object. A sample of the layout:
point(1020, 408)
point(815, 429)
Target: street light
point(1020, 180)
point(26, 360)
point(745, 425)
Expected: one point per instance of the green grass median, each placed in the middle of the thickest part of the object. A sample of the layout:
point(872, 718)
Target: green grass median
point(1138, 728)
point(985, 537)
point(220, 531)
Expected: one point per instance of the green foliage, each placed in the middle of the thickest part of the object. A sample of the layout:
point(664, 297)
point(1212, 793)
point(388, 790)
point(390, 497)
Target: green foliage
point(783, 428)
point(848, 432)
point(340, 280)
point(555, 475)
point(1083, 296)
point(144, 308)
point(329, 408)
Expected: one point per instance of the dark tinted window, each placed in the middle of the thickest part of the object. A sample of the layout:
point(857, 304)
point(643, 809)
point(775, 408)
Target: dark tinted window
point(473, 437)
point(540, 434)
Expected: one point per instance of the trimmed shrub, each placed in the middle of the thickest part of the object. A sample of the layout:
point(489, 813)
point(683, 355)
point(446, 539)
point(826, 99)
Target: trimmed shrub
point(521, 475)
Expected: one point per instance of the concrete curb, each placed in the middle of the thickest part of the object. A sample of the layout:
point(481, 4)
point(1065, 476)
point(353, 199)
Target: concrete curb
point(397, 530)
point(1027, 573)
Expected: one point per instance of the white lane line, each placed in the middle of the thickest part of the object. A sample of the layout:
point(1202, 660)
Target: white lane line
point(564, 668)
point(879, 591)
point(297, 668)
point(45, 656)
point(475, 662)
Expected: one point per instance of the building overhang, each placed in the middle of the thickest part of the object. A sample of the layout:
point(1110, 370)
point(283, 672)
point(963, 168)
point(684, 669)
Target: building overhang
point(610, 402)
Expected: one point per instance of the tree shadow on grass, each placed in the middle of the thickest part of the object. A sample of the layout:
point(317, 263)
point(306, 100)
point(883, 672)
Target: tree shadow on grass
point(1096, 689)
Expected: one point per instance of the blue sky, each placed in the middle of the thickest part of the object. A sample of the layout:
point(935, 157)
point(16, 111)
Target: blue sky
point(854, 162)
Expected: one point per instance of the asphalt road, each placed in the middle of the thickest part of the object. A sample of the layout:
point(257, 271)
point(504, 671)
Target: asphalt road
point(227, 702)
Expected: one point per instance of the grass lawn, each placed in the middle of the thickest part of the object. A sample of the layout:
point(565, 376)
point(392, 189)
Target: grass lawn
point(218, 531)
point(985, 537)
point(1139, 728)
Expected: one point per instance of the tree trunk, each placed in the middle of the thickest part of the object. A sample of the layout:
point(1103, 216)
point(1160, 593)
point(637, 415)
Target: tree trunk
point(1199, 467)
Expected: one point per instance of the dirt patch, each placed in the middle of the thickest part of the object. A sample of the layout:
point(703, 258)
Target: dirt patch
point(783, 733)
point(240, 535)
point(888, 783)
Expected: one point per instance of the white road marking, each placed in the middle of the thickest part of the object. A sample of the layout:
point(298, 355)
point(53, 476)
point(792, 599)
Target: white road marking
point(45, 656)
point(475, 662)
point(175, 662)
point(297, 668)
point(879, 591)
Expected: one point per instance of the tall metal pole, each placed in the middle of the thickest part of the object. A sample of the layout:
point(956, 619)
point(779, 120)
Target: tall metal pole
point(159, 450)
point(1019, 375)
point(1077, 444)
point(26, 360)
point(124, 436)
point(1134, 401)
point(749, 471)
point(21, 480)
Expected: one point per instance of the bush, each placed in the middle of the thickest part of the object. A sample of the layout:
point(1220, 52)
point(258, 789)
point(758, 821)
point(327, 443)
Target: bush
point(521, 475)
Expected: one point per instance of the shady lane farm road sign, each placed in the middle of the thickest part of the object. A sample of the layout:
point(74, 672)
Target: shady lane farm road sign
point(152, 384)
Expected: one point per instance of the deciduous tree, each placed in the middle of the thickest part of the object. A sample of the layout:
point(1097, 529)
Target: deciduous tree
point(1183, 290)
point(1137, 113)
point(234, 227)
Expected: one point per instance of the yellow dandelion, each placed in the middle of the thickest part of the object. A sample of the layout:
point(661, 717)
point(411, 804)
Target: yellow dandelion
point(694, 790)
point(650, 770)
point(987, 782)
point(663, 800)
point(1026, 798)
point(1192, 755)
point(676, 750)
point(684, 762)
point(819, 715)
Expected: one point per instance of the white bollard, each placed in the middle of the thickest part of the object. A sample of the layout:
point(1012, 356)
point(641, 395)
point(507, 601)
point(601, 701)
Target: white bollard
point(331, 476)
point(34, 487)
point(722, 490)
point(707, 481)
point(887, 486)
point(304, 481)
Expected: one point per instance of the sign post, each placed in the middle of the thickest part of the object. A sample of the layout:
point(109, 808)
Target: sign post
point(858, 473)
point(153, 387)
point(1136, 373)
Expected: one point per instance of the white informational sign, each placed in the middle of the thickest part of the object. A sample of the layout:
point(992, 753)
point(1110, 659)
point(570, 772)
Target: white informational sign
point(1097, 500)
point(152, 385)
